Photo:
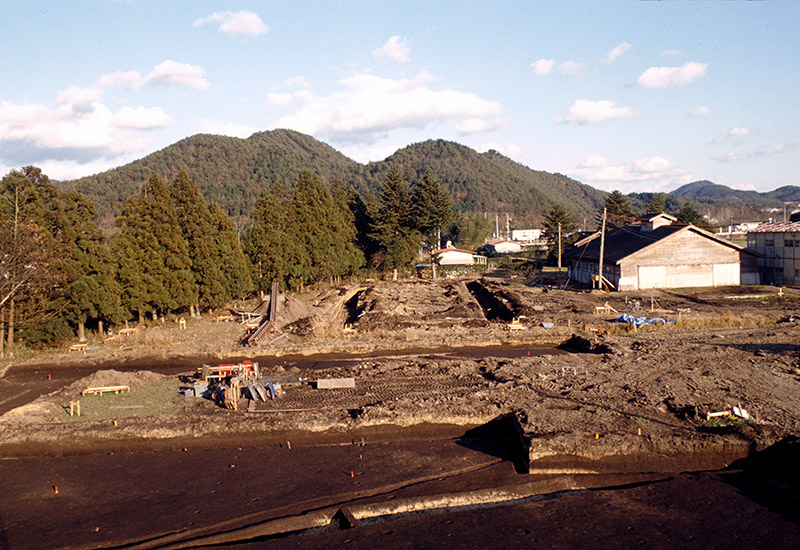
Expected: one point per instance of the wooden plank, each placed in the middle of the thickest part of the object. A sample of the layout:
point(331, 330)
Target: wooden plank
point(335, 383)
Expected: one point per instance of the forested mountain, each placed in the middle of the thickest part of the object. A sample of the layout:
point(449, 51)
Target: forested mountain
point(491, 182)
point(234, 172)
point(229, 171)
point(706, 190)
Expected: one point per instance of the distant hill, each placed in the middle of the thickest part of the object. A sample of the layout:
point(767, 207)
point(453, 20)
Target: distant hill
point(233, 172)
point(706, 190)
point(490, 182)
point(230, 171)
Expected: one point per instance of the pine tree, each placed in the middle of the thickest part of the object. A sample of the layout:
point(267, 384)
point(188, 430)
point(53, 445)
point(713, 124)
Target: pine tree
point(558, 215)
point(431, 208)
point(618, 211)
point(198, 231)
point(271, 243)
point(91, 293)
point(688, 214)
point(235, 267)
point(393, 228)
point(657, 204)
point(155, 268)
point(324, 231)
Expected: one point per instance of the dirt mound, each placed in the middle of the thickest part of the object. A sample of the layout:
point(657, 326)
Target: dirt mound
point(115, 378)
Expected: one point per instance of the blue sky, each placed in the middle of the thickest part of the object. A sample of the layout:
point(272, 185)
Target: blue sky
point(636, 96)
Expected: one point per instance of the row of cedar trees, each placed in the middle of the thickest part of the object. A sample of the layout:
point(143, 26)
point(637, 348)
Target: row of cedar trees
point(172, 252)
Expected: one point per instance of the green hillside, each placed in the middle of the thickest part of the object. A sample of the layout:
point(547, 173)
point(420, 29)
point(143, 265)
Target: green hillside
point(491, 182)
point(233, 173)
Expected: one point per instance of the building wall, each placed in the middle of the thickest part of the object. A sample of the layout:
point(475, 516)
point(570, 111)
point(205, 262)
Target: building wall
point(779, 261)
point(688, 259)
point(455, 258)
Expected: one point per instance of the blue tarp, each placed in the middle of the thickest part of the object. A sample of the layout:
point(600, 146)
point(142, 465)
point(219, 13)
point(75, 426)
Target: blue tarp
point(639, 322)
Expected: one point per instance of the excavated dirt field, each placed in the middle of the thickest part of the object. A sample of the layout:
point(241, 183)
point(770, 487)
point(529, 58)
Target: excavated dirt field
point(573, 422)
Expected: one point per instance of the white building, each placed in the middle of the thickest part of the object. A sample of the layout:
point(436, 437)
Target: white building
point(456, 256)
point(526, 235)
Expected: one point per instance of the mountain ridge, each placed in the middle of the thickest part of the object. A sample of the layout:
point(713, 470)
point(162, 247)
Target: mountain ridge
point(233, 172)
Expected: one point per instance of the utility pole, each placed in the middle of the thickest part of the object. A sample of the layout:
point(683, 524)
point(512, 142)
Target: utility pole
point(497, 225)
point(508, 228)
point(559, 247)
point(602, 247)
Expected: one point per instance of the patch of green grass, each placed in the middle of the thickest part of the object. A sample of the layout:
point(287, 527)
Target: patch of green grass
point(720, 421)
point(149, 400)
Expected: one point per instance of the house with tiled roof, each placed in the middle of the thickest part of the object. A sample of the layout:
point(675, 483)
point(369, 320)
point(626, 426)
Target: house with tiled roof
point(658, 252)
point(778, 249)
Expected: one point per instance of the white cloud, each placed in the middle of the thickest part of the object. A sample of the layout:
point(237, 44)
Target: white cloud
point(572, 68)
point(615, 52)
point(661, 77)
point(297, 82)
point(585, 111)
point(758, 153)
point(238, 23)
point(543, 66)
point(739, 131)
point(142, 118)
point(280, 100)
point(395, 48)
point(701, 111)
point(369, 106)
point(174, 73)
point(127, 79)
point(654, 173)
point(166, 73)
point(476, 125)
point(77, 127)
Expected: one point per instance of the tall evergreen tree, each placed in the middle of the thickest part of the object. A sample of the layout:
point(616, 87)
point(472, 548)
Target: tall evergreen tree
point(394, 226)
point(235, 267)
point(196, 226)
point(657, 204)
point(155, 268)
point(688, 214)
point(431, 208)
point(272, 245)
point(618, 211)
point(92, 292)
point(558, 215)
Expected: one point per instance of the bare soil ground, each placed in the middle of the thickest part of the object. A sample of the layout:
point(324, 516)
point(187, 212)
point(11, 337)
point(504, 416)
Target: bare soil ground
point(433, 362)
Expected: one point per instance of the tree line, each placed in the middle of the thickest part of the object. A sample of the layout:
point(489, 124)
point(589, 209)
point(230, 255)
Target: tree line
point(173, 252)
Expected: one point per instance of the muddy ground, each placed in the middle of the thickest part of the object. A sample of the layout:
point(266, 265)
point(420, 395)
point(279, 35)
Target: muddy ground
point(573, 398)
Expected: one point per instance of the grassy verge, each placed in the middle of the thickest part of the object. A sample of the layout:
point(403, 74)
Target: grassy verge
point(149, 400)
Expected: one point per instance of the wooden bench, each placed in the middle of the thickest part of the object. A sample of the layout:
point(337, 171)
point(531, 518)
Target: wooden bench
point(127, 331)
point(100, 390)
point(78, 347)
